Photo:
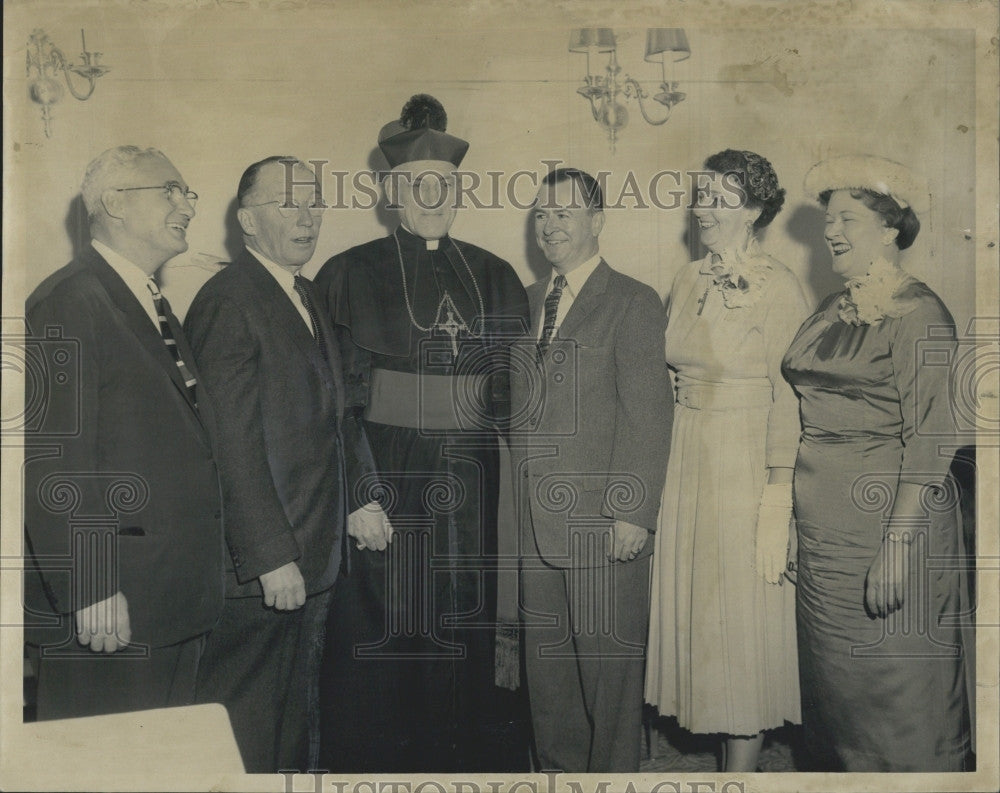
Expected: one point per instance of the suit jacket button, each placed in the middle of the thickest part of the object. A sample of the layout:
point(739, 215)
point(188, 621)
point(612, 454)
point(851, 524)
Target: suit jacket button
point(218, 514)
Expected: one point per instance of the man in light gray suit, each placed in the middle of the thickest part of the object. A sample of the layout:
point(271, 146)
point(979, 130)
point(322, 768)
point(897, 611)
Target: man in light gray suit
point(592, 419)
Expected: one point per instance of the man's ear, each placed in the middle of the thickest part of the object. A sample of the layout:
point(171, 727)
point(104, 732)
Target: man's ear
point(246, 219)
point(597, 223)
point(113, 203)
point(889, 235)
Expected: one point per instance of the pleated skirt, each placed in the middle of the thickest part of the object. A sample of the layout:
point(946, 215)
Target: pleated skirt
point(722, 647)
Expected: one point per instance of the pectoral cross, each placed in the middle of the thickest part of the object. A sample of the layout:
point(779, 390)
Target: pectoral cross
point(451, 326)
point(453, 322)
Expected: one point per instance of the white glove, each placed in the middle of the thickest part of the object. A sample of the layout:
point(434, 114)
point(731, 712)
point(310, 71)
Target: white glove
point(774, 521)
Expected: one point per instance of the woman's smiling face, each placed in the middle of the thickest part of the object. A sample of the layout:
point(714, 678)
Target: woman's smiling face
point(855, 235)
point(723, 224)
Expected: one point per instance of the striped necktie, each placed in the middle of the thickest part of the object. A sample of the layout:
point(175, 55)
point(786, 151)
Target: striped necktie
point(162, 312)
point(307, 304)
point(551, 308)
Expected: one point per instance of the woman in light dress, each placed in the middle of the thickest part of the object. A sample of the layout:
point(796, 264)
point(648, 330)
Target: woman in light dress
point(722, 648)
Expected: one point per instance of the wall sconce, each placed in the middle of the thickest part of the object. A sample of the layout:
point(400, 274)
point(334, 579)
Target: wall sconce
point(602, 91)
point(45, 61)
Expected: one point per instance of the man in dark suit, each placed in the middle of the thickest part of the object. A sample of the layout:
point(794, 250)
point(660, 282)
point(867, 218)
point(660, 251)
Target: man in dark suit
point(595, 418)
point(292, 468)
point(122, 504)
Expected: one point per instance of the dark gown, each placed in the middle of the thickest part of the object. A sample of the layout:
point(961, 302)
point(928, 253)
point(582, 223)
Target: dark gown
point(408, 672)
point(878, 694)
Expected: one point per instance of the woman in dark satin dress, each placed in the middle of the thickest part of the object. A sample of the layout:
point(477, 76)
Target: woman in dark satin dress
point(881, 667)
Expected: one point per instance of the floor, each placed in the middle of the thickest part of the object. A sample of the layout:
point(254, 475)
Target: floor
point(675, 749)
point(670, 748)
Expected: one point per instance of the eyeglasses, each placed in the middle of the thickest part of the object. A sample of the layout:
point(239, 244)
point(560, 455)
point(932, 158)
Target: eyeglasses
point(290, 209)
point(173, 190)
point(431, 180)
point(432, 187)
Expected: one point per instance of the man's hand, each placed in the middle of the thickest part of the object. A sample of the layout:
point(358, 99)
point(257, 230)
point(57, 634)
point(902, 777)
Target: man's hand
point(627, 540)
point(104, 626)
point(370, 527)
point(284, 588)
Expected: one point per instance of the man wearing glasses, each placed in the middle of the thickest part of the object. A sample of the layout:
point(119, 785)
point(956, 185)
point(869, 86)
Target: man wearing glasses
point(122, 507)
point(293, 471)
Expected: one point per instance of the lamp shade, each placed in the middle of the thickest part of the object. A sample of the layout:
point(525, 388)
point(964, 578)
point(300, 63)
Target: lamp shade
point(661, 41)
point(592, 40)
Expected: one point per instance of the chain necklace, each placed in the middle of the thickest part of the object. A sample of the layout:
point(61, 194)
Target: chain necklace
point(454, 322)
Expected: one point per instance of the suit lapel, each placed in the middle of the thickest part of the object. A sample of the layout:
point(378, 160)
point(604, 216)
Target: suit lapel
point(536, 304)
point(585, 302)
point(332, 368)
point(136, 318)
point(285, 315)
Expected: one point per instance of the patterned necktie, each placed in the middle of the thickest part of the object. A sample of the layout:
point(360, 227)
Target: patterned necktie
point(551, 308)
point(162, 312)
point(307, 303)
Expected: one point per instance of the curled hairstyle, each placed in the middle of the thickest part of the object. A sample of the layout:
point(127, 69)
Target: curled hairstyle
point(105, 171)
point(893, 215)
point(756, 177)
point(587, 185)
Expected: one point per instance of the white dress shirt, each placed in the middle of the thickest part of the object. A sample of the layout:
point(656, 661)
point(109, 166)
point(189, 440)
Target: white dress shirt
point(133, 276)
point(575, 279)
point(286, 281)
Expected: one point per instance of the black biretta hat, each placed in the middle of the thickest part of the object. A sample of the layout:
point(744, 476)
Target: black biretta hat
point(419, 134)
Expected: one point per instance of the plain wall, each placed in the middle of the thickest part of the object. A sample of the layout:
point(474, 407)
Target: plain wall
point(216, 89)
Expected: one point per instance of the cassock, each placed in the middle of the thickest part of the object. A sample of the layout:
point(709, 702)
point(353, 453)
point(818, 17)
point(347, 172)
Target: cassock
point(409, 661)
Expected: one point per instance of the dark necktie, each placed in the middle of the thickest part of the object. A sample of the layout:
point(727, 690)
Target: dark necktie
point(307, 303)
point(162, 312)
point(551, 308)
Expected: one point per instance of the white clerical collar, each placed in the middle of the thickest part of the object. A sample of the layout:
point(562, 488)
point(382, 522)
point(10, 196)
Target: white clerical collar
point(285, 278)
point(431, 245)
point(577, 277)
